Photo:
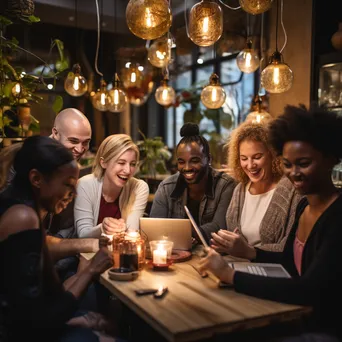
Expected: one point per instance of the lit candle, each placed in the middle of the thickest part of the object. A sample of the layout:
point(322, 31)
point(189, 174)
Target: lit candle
point(160, 255)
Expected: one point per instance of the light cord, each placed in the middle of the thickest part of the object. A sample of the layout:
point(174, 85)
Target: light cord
point(232, 8)
point(282, 24)
point(186, 18)
point(98, 38)
point(277, 19)
point(261, 51)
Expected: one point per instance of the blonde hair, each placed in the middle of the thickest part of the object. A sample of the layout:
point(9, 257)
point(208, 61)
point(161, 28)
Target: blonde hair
point(7, 156)
point(255, 132)
point(112, 148)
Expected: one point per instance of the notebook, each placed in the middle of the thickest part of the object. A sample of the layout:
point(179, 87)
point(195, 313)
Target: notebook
point(176, 230)
point(262, 269)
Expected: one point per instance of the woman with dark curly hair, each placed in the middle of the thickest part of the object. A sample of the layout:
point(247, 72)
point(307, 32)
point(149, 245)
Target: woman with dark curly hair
point(263, 205)
point(310, 144)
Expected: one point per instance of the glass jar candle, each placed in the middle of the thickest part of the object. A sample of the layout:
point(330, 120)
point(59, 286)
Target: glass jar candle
point(161, 251)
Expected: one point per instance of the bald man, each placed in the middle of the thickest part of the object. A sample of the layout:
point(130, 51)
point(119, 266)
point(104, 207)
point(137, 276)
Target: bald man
point(73, 130)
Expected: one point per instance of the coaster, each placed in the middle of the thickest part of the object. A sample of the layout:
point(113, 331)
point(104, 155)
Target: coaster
point(122, 274)
point(180, 256)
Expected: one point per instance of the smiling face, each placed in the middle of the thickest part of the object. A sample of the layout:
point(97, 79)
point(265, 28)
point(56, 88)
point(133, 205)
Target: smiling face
point(306, 167)
point(58, 190)
point(192, 163)
point(118, 172)
point(255, 160)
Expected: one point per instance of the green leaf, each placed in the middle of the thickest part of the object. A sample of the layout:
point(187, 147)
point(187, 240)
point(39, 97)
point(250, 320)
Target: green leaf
point(7, 89)
point(5, 21)
point(33, 19)
point(58, 104)
point(62, 65)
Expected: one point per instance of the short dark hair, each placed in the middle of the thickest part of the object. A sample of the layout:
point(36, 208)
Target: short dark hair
point(320, 128)
point(41, 153)
point(190, 133)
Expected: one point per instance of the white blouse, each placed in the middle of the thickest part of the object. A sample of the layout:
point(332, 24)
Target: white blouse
point(253, 212)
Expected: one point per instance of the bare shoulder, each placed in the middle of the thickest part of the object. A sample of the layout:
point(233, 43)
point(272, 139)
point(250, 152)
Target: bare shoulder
point(18, 218)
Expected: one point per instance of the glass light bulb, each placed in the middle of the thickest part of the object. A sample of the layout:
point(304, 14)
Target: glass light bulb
point(248, 60)
point(16, 90)
point(258, 116)
point(148, 19)
point(75, 84)
point(159, 53)
point(213, 95)
point(256, 6)
point(165, 95)
point(277, 77)
point(117, 100)
point(101, 100)
point(205, 23)
point(137, 83)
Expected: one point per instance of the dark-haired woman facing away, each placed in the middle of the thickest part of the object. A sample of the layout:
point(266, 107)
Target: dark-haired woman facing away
point(310, 145)
point(206, 192)
point(34, 305)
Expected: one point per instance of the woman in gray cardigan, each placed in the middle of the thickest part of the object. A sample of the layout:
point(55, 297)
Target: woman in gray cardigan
point(110, 199)
point(263, 205)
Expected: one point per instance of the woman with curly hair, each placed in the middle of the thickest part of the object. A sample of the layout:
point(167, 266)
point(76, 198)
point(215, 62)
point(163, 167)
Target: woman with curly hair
point(309, 142)
point(263, 205)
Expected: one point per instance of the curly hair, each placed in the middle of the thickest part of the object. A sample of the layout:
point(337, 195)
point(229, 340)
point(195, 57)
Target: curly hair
point(255, 132)
point(319, 128)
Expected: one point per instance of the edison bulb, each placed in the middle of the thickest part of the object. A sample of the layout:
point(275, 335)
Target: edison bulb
point(213, 95)
point(137, 83)
point(258, 116)
point(16, 90)
point(256, 6)
point(117, 97)
point(165, 95)
point(248, 59)
point(101, 99)
point(277, 77)
point(148, 19)
point(159, 53)
point(75, 84)
point(205, 23)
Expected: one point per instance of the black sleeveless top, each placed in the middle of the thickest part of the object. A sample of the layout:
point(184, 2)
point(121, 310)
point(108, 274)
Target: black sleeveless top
point(34, 305)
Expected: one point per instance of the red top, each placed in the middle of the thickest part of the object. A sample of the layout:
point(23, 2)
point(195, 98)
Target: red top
point(108, 209)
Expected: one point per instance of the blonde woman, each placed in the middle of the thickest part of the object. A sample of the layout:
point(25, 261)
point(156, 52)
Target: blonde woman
point(110, 199)
point(263, 205)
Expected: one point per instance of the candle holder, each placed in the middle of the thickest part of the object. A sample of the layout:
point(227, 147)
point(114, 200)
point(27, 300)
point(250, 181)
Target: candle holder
point(161, 251)
point(129, 250)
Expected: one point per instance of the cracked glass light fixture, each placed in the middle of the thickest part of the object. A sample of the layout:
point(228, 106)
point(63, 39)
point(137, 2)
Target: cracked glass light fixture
point(117, 97)
point(256, 6)
point(258, 114)
point(213, 95)
point(248, 59)
point(75, 84)
point(100, 99)
point(148, 19)
point(205, 23)
point(138, 83)
point(165, 95)
point(277, 77)
point(159, 53)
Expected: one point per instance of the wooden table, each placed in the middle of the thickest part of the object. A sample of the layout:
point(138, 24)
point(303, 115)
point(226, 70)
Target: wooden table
point(196, 308)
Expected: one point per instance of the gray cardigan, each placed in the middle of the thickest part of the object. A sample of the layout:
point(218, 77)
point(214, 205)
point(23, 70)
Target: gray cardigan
point(171, 197)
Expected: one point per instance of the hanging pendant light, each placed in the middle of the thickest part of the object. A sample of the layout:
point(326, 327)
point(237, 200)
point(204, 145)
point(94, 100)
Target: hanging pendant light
point(205, 23)
point(213, 95)
point(258, 115)
point(148, 19)
point(75, 84)
point(248, 59)
point(277, 77)
point(100, 99)
point(159, 53)
point(17, 90)
point(256, 6)
point(165, 95)
point(117, 97)
point(138, 83)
